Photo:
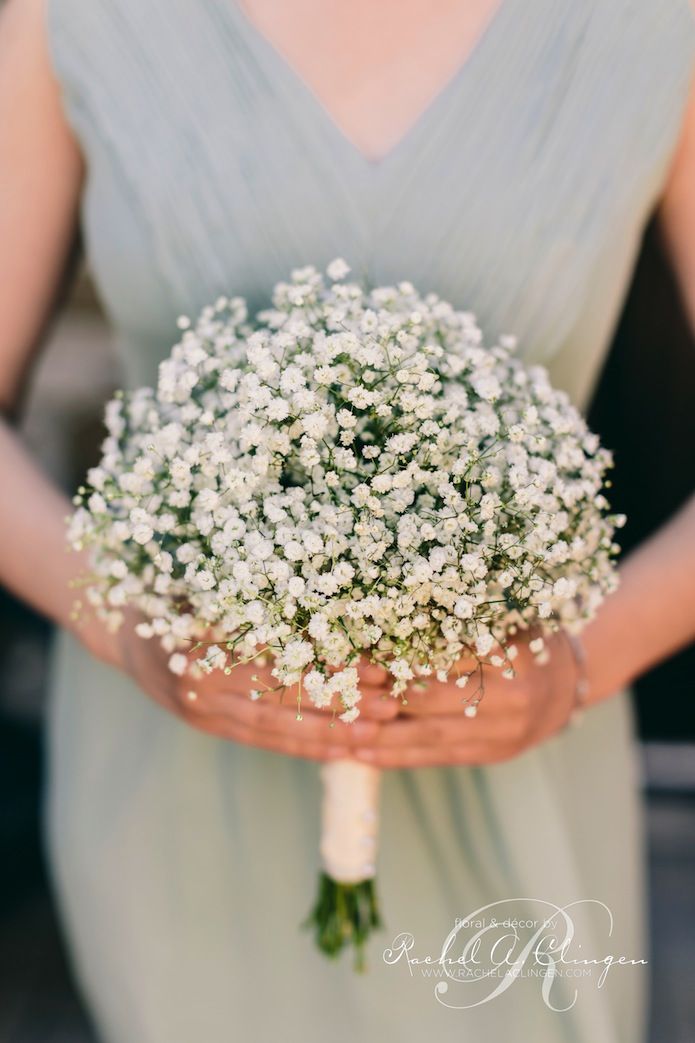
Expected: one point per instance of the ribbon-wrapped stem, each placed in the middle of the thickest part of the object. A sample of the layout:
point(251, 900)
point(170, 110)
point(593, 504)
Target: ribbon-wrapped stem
point(346, 911)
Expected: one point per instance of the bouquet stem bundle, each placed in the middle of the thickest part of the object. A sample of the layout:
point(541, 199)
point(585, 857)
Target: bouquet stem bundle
point(346, 910)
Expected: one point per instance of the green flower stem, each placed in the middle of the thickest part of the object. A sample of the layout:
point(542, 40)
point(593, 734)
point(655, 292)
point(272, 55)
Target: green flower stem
point(344, 915)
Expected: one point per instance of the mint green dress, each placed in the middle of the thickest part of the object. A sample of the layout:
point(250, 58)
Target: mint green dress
point(182, 863)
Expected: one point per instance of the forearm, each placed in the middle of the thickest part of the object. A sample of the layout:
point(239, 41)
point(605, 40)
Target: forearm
point(35, 563)
point(651, 615)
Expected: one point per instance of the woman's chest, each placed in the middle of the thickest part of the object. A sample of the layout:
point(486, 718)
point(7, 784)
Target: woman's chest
point(506, 196)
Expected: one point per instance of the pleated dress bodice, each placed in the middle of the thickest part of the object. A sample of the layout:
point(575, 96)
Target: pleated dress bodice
point(520, 193)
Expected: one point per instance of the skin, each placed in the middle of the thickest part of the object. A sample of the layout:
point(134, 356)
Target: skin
point(358, 57)
point(41, 179)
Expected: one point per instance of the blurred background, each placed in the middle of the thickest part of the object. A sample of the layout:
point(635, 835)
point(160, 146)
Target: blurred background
point(644, 408)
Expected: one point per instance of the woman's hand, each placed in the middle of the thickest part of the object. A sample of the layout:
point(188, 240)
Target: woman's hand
point(429, 728)
point(513, 715)
point(221, 705)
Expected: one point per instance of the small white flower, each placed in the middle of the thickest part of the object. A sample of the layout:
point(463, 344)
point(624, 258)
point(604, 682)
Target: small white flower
point(337, 269)
point(463, 609)
point(315, 425)
point(401, 670)
point(143, 533)
point(294, 551)
point(346, 419)
point(296, 586)
point(205, 579)
point(563, 588)
point(278, 409)
point(178, 664)
point(484, 643)
point(255, 612)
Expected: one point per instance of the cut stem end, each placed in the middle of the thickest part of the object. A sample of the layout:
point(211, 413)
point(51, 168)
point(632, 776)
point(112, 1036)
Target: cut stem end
point(344, 916)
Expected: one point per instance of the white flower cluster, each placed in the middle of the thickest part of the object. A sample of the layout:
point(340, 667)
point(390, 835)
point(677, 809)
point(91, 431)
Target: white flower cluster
point(352, 473)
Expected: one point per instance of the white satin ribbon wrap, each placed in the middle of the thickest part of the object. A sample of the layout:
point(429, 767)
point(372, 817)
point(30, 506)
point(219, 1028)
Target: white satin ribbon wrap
point(350, 820)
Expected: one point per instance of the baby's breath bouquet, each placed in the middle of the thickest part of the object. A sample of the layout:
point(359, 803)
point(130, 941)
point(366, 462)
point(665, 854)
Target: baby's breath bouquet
point(352, 473)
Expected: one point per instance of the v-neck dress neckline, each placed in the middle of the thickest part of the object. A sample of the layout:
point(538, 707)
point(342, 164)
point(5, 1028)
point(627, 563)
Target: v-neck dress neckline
point(290, 82)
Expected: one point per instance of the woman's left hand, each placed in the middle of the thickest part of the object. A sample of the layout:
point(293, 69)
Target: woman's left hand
point(512, 716)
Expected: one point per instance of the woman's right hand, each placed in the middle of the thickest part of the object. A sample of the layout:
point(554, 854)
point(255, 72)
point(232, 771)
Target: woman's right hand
point(221, 705)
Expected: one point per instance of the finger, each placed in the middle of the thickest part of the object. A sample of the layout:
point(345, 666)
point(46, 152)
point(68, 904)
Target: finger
point(375, 687)
point(280, 720)
point(374, 675)
point(240, 678)
point(378, 704)
point(444, 730)
point(291, 747)
point(471, 753)
point(438, 699)
point(494, 696)
point(375, 704)
point(216, 696)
